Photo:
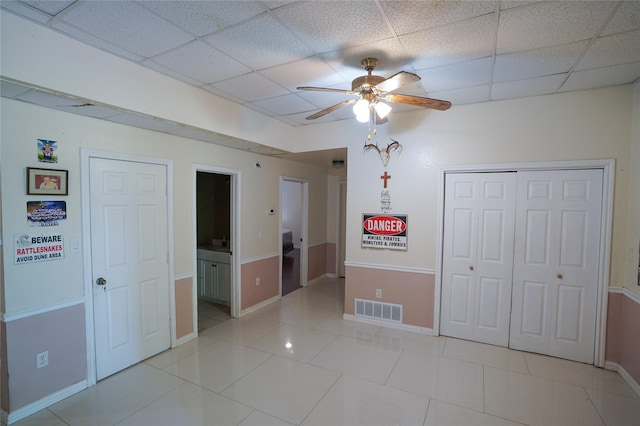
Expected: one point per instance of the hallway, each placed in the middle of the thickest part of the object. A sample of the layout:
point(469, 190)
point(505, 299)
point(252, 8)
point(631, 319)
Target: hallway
point(298, 362)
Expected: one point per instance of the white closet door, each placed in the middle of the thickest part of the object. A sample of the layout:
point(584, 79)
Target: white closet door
point(478, 256)
point(556, 263)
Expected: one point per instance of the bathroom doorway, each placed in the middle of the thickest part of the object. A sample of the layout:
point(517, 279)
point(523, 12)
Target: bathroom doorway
point(215, 244)
point(293, 225)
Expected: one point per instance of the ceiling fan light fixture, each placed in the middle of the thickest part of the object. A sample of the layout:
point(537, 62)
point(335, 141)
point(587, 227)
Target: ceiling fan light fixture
point(361, 110)
point(382, 109)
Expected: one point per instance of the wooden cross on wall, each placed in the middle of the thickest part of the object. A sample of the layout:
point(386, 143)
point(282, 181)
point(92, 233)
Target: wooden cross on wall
point(385, 177)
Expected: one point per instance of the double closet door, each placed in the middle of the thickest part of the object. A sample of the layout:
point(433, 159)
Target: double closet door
point(520, 260)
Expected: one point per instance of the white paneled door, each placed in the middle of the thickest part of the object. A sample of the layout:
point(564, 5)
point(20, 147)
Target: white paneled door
point(478, 256)
point(520, 262)
point(129, 246)
point(555, 283)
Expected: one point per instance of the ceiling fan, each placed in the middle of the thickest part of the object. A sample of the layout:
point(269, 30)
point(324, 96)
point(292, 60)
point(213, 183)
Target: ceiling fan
point(372, 89)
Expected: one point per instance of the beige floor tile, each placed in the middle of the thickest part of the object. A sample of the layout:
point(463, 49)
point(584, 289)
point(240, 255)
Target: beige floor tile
point(301, 314)
point(616, 410)
point(537, 401)
point(294, 342)
point(450, 380)
point(258, 418)
point(445, 414)
point(189, 405)
point(217, 366)
point(359, 358)
point(353, 401)
point(283, 388)
point(172, 355)
point(578, 374)
point(41, 418)
point(494, 356)
point(243, 330)
point(337, 325)
point(117, 397)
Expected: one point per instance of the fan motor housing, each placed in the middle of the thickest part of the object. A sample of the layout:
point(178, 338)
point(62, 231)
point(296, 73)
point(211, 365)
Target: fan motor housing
point(366, 82)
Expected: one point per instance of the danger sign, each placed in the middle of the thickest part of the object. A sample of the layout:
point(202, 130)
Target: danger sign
point(38, 247)
point(384, 231)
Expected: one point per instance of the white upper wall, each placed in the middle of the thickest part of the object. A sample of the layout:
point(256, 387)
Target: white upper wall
point(41, 57)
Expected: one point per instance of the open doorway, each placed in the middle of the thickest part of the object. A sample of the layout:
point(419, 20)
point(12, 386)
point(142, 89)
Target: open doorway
point(293, 227)
point(214, 236)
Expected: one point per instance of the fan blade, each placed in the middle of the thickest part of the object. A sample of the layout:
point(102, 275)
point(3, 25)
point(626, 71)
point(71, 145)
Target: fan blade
point(330, 109)
point(396, 81)
point(418, 101)
point(326, 89)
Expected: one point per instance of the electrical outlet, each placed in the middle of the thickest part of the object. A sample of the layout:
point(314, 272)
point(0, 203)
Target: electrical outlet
point(257, 281)
point(379, 293)
point(42, 359)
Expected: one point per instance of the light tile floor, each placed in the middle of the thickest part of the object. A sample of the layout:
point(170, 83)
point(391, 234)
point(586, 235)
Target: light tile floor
point(298, 362)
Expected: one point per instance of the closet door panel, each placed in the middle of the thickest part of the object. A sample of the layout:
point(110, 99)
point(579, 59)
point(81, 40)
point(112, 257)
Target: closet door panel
point(560, 212)
point(477, 256)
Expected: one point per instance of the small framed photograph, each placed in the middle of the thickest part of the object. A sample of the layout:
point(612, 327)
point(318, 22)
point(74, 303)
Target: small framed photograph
point(47, 181)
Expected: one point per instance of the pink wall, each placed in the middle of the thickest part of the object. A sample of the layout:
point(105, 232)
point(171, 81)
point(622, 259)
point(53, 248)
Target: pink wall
point(268, 270)
point(317, 261)
point(623, 341)
point(62, 334)
point(414, 291)
point(184, 307)
point(331, 267)
point(4, 377)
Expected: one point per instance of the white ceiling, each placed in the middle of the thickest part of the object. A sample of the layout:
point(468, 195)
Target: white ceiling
point(257, 52)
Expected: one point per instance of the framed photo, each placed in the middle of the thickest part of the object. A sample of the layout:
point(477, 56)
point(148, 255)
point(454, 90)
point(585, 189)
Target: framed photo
point(47, 181)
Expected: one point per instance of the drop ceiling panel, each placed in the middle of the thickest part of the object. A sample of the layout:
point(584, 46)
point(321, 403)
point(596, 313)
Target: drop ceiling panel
point(325, 26)
point(458, 42)
point(627, 18)
point(462, 74)
point(615, 49)
point(538, 62)
point(255, 53)
point(203, 17)
point(468, 95)
point(201, 62)
point(602, 77)
point(288, 104)
point(529, 87)
point(124, 23)
point(311, 71)
point(96, 42)
point(251, 87)
point(260, 43)
point(411, 16)
point(546, 24)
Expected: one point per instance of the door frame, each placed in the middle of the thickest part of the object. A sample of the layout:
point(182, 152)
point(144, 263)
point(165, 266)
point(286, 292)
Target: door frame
point(85, 190)
point(236, 289)
point(304, 233)
point(606, 229)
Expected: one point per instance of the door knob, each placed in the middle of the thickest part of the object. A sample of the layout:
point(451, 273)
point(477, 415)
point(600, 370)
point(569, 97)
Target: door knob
point(559, 276)
point(101, 281)
point(471, 268)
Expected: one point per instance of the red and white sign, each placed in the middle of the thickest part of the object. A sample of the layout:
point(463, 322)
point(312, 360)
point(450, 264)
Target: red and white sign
point(38, 247)
point(384, 231)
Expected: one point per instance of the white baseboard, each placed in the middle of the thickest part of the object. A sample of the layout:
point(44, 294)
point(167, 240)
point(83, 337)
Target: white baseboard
point(259, 305)
point(405, 327)
point(614, 366)
point(185, 339)
point(45, 402)
point(316, 279)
